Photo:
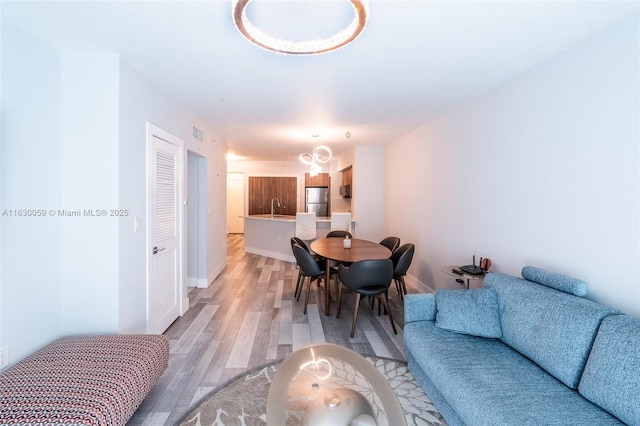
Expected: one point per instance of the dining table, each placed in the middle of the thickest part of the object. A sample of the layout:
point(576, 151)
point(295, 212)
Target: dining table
point(333, 249)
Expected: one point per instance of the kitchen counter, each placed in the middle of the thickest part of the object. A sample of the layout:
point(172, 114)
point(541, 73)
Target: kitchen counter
point(271, 236)
point(286, 218)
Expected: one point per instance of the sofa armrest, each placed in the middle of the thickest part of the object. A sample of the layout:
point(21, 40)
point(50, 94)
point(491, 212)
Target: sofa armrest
point(419, 307)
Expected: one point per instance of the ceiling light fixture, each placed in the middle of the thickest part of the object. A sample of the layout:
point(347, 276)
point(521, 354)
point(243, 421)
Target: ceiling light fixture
point(321, 155)
point(308, 47)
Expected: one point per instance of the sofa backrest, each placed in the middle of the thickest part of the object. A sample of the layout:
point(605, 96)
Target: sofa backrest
point(553, 328)
point(611, 378)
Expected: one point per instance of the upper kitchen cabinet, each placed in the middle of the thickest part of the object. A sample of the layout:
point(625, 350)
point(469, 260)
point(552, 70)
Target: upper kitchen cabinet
point(263, 190)
point(321, 179)
point(347, 177)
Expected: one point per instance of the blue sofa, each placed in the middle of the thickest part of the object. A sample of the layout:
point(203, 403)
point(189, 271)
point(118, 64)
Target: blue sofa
point(524, 351)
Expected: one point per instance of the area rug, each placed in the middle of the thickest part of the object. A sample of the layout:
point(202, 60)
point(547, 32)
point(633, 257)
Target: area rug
point(243, 400)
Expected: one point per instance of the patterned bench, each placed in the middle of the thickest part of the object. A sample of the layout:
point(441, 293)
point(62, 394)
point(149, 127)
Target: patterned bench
point(83, 380)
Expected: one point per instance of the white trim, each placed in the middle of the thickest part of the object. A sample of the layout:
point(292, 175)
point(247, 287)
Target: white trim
point(414, 281)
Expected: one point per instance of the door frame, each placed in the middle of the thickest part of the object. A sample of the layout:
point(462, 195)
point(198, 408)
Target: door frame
point(183, 302)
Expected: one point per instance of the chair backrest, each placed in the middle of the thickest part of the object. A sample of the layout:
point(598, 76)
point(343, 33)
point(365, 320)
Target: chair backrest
point(297, 240)
point(402, 258)
point(307, 264)
point(391, 243)
point(340, 221)
point(367, 273)
point(306, 225)
point(342, 234)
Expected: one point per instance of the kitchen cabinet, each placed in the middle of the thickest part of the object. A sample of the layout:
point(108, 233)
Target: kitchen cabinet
point(347, 175)
point(264, 189)
point(321, 179)
point(346, 189)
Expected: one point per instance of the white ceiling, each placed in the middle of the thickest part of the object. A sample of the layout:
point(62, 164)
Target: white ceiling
point(414, 60)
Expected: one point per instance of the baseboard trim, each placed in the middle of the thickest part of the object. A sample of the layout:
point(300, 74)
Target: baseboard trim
point(419, 284)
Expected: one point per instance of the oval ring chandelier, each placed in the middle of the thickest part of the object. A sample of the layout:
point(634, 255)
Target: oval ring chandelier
point(309, 47)
point(321, 154)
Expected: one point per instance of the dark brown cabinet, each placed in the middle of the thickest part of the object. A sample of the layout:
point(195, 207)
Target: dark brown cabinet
point(264, 189)
point(321, 179)
point(346, 189)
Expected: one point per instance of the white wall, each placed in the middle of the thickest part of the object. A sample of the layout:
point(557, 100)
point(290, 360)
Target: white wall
point(367, 192)
point(89, 181)
point(543, 171)
point(74, 136)
point(30, 297)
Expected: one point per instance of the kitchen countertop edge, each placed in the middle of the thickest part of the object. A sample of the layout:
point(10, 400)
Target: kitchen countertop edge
point(285, 218)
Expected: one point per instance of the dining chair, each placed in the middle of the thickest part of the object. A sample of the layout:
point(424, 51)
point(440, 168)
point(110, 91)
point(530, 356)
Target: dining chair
point(310, 270)
point(340, 221)
point(306, 225)
point(401, 258)
point(341, 234)
point(366, 278)
point(320, 262)
point(391, 243)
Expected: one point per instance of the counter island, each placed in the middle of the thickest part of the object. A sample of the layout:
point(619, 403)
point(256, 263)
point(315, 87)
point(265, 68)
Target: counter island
point(271, 236)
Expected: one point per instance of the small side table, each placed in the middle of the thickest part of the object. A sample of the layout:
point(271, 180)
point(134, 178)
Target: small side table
point(448, 270)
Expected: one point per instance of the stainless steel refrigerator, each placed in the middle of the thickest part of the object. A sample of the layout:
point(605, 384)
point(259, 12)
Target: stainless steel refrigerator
point(317, 200)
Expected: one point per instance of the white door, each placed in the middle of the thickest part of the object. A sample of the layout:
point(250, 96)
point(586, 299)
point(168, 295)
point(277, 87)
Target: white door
point(165, 231)
point(235, 203)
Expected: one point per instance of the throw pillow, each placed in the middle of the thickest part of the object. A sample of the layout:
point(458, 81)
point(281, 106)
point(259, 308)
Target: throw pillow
point(473, 312)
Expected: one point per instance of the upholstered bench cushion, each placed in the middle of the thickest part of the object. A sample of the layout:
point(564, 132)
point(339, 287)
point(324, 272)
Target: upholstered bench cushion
point(83, 380)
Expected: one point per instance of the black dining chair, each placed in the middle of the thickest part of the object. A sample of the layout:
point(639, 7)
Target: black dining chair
point(309, 269)
point(341, 234)
point(391, 243)
point(401, 259)
point(366, 278)
point(320, 262)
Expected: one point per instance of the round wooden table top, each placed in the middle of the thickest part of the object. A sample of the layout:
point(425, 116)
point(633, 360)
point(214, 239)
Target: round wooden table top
point(333, 248)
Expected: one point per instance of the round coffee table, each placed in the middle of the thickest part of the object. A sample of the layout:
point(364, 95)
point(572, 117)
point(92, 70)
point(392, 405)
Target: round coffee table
point(331, 384)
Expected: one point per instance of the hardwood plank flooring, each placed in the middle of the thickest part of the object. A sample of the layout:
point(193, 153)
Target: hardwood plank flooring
point(249, 317)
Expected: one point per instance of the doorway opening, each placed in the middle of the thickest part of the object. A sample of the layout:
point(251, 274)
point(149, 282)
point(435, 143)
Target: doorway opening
point(196, 220)
point(235, 203)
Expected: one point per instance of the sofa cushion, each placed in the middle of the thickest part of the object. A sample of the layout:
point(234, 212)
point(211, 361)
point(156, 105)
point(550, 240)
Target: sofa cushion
point(473, 312)
point(553, 328)
point(419, 307)
point(485, 382)
point(83, 380)
point(611, 376)
point(560, 282)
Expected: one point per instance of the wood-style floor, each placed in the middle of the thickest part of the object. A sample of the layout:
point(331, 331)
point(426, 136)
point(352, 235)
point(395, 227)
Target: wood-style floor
point(248, 317)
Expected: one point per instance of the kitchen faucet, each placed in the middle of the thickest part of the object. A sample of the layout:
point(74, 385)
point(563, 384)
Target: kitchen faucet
point(272, 209)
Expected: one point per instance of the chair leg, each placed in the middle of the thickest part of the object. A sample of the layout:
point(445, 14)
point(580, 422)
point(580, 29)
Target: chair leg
point(306, 300)
point(339, 302)
point(404, 286)
point(355, 314)
point(386, 306)
point(296, 294)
